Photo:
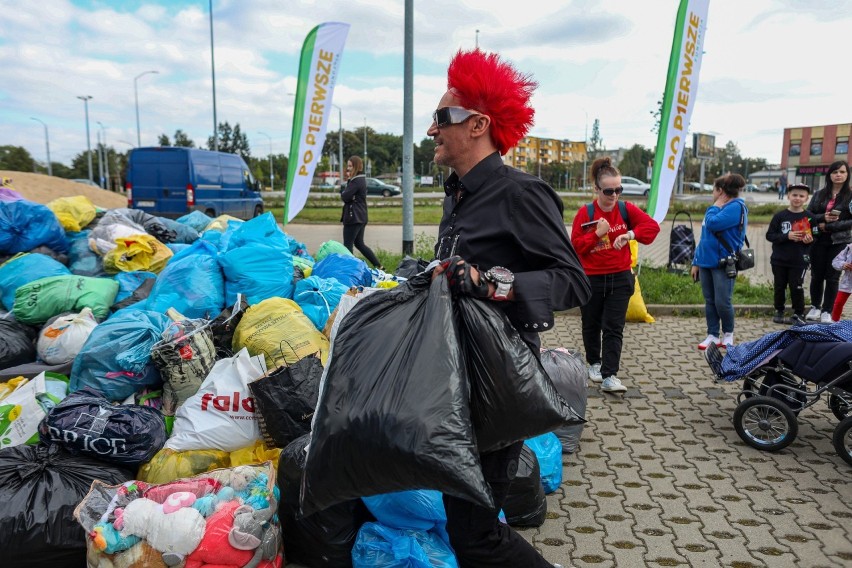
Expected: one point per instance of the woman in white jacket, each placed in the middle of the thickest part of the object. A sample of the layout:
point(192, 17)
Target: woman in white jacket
point(842, 262)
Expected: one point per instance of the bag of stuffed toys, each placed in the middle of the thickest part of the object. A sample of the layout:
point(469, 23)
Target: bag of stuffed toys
point(225, 517)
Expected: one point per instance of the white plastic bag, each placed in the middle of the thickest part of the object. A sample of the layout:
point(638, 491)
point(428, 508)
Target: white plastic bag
point(20, 413)
point(220, 416)
point(61, 340)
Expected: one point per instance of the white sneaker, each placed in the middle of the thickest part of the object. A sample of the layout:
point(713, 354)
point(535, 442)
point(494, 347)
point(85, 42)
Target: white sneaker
point(706, 343)
point(813, 315)
point(595, 373)
point(728, 340)
point(612, 384)
point(825, 318)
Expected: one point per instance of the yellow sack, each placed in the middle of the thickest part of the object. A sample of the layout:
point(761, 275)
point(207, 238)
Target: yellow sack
point(139, 252)
point(74, 213)
point(636, 310)
point(634, 253)
point(168, 465)
point(387, 284)
point(258, 453)
point(220, 223)
point(11, 386)
point(277, 329)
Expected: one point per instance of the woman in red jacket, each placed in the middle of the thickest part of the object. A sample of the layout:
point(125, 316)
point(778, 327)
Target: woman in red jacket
point(601, 241)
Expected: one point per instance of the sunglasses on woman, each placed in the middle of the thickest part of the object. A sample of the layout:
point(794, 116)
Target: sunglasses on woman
point(610, 191)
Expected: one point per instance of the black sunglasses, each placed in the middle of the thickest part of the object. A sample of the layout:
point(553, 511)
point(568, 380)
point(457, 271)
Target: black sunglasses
point(615, 190)
point(447, 116)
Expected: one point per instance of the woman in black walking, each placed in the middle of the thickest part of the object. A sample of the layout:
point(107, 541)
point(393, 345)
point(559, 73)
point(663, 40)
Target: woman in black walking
point(354, 217)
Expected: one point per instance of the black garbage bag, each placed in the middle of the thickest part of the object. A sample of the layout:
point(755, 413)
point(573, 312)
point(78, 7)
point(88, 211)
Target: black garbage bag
point(503, 370)
point(140, 293)
point(224, 324)
point(17, 342)
point(39, 488)
point(568, 373)
point(154, 226)
point(30, 370)
point(324, 539)
point(409, 266)
point(392, 412)
point(285, 399)
point(526, 503)
point(87, 424)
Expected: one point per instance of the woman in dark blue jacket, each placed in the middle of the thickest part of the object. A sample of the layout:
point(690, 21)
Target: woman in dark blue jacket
point(354, 217)
point(728, 217)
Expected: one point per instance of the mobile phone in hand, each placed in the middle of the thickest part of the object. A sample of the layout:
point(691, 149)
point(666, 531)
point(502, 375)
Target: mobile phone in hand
point(589, 224)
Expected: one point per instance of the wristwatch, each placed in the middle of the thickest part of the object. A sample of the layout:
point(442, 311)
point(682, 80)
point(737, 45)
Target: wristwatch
point(503, 279)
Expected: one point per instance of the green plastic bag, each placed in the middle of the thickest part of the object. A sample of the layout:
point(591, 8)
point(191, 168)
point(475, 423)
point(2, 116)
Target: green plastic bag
point(331, 247)
point(38, 301)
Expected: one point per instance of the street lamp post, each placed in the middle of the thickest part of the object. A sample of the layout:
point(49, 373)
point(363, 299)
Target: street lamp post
point(136, 95)
point(86, 99)
point(46, 146)
point(585, 147)
point(271, 175)
point(340, 138)
point(365, 144)
point(100, 159)
point(213, 76)
point(105, 154)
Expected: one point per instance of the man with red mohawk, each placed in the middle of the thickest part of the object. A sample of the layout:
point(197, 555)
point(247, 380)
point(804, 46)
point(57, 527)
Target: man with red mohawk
point(502, 238)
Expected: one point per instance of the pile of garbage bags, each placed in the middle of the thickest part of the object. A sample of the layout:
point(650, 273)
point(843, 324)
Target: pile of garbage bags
point(172, 393)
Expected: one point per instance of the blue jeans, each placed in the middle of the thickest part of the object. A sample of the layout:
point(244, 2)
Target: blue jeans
point(718, 292)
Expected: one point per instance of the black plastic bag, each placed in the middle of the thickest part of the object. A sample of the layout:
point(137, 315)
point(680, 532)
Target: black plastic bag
point(324, 539)
point(17, 342)
point(393, 412)
point(224, 324)
point(568, 373)
point(526, 503)
point(30, 370)
point(39, 488)
point(87, 424)
point(408, 267)
point(503, 371)
point(285, 400)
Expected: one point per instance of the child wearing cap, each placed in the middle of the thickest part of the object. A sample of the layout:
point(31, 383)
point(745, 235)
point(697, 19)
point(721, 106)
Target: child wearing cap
point(791, 237)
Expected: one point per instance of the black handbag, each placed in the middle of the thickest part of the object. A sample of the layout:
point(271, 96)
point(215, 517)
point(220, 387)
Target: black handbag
point(744, 258)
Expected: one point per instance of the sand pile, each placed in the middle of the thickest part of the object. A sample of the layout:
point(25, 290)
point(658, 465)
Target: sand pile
point(42, 188)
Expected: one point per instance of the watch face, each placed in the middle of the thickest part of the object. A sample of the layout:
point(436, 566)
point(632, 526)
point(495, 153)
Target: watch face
point(501, 275)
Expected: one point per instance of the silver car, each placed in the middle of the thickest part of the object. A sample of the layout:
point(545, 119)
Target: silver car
point(633, 186)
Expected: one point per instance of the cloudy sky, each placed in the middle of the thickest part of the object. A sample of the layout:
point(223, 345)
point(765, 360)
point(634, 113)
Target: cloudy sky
point(768, 64)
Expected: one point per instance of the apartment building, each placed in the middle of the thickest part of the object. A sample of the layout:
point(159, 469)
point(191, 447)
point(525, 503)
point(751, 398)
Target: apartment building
point(808, 151)
point(532, 149)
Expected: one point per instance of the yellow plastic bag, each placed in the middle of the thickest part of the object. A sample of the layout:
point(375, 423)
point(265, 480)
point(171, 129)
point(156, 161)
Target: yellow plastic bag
point(634, 253)
point(11, 386)
point(277, 329)
point(258, 453)
point(139, 252)
point(74, 213)
point(220, 223)
point(636, 309)
point(168, 465)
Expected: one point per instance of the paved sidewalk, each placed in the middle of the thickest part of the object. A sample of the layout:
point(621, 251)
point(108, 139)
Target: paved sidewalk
point(662, 479)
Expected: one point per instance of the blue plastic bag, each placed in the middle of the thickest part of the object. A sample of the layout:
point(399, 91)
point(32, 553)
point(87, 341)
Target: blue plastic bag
point(348, 270)
point(82, 261)
point(177, 247)
point(129, 281)
point(548, 450)
point(318, 298)
point(257, 271)
point(192, 283)
point(197, 220)
point(184, 234)
point(418, 509)
point(116, 358)
point(24, 269)
point(25, 225)
point(260, 230)
point(378, 546)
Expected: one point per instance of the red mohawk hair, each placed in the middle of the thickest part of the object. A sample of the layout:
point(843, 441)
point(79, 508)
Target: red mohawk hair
point(484, 83)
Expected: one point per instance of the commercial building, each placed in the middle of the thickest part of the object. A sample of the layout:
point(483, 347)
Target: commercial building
point(809, 150)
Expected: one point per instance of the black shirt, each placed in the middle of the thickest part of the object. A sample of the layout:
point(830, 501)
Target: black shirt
point(784, 251)
point(354, 198)
point(505, 217)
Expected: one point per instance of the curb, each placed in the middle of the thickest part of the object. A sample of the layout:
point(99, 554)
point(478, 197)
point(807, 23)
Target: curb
point(690, 310)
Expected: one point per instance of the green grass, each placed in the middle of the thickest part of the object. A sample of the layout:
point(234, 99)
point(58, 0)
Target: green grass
point(662, 287)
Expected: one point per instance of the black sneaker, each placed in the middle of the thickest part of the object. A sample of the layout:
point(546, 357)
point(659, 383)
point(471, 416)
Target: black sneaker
point(797, 320)
point(778, 317)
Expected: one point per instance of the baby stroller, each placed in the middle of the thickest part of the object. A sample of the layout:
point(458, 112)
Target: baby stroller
point(681, 245)
point(784, 373)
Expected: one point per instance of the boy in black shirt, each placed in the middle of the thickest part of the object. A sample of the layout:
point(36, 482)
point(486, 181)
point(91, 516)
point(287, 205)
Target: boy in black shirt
point(791, 237)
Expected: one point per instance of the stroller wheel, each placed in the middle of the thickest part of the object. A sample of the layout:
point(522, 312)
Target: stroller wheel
point(765, 423)
point(840, 405)
point(760, 383)
point(843, 439)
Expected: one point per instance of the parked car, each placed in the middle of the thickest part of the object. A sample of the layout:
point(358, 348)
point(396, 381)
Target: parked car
point(751, 187)
point(633, 186)
point(694, 186)
point(86, 182)
point(378, 187)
